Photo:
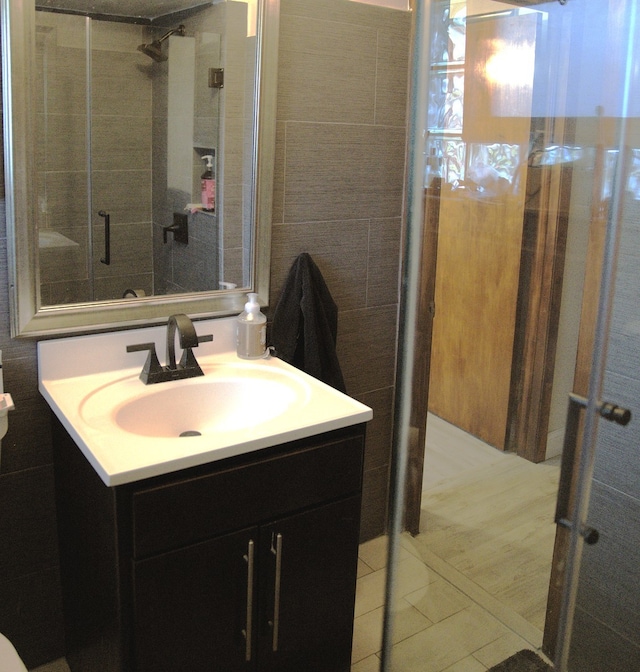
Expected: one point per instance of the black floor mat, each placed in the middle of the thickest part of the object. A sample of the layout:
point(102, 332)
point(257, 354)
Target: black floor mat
point(523, 661)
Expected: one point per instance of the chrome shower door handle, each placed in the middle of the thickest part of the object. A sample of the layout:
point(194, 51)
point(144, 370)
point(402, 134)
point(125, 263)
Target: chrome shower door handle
point(107, 237)
point(248, 630)
point(606, 410)
point(275, 623)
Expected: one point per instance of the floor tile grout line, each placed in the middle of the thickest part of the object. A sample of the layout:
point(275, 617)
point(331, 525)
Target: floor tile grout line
point(501, 612)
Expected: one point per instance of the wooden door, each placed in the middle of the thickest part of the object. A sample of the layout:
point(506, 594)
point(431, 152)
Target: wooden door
point(480, 235)
point(479, 245)
point(492, 274)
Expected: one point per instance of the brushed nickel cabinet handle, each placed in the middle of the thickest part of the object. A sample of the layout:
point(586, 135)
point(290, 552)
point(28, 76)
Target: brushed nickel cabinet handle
point(248, 631)
point(277, 551)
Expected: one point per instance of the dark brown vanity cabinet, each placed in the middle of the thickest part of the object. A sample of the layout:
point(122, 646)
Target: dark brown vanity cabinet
point(244, 564)
point(277, 597)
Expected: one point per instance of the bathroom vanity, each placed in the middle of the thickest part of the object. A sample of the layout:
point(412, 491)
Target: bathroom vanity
point(244, 564)
point(233, 547)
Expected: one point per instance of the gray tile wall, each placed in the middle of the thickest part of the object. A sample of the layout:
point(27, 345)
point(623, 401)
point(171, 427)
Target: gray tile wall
point(220, 116)
point(121, 151)
point(62, 176)
point(30, 601)
point(356, 246)
point(236, 142)
point(607, 631)
point(338, 195)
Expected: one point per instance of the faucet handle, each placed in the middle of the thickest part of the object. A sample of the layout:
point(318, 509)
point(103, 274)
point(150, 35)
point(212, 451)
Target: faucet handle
point(189, 362)
point(152, 366)
point(188, 359)
point(139, 347)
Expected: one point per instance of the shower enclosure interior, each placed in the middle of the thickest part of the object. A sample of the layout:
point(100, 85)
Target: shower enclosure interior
point(126, 113)
point(525, 135)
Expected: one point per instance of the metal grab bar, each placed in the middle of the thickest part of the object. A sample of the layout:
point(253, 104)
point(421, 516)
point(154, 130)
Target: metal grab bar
point(107, 237)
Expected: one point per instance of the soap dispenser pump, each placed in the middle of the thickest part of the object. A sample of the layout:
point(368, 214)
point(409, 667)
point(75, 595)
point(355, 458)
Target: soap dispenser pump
point(208, 185)
point(251, 330)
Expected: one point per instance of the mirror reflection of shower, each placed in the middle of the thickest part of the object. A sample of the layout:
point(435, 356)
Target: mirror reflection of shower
point(131, 132)
point(154, 49)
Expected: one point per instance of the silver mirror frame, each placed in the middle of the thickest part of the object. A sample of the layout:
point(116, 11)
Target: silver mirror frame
point(27, 317)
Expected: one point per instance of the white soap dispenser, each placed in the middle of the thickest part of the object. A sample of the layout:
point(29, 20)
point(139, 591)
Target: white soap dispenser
point(251, 330)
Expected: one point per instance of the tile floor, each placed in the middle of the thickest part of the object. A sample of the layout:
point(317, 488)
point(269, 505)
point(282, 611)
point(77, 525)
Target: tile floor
point(472, 586)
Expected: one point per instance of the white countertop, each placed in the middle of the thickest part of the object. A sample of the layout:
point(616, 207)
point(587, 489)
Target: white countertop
point(87, 379)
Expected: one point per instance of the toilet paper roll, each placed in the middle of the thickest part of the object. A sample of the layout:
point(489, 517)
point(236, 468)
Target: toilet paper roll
point(133, 293)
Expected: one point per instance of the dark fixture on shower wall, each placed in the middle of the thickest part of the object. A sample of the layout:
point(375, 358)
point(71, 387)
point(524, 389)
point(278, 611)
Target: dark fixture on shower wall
point(154, 49)
point(179, 228)
point(107, 237)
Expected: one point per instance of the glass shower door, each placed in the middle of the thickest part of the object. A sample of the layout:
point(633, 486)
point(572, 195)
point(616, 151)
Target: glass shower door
point(94, 176)
point(526, 113)
point(62, 163)
point(599, 619)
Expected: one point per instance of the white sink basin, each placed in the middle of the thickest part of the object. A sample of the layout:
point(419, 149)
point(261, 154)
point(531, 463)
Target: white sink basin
point(129, 431)
point(229, 397)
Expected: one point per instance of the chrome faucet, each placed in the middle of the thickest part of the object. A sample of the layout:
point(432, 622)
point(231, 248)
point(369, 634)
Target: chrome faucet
point(188, 367)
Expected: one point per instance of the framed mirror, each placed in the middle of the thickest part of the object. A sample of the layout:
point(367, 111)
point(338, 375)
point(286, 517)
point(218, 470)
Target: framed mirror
point(139, 148)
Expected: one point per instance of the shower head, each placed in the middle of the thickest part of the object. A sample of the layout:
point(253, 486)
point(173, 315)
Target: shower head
point(154, 49)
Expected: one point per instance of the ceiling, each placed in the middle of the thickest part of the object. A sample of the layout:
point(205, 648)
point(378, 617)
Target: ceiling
point(140, 9)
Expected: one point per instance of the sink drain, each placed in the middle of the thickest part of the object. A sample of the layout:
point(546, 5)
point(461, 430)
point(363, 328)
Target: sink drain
point(191, 432)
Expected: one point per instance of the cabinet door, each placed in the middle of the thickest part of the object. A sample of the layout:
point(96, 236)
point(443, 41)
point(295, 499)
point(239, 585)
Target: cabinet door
point(194, 607)
point(308, 565)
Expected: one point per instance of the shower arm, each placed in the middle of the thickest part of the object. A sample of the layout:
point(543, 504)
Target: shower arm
point(154, 49)
point(179, 30)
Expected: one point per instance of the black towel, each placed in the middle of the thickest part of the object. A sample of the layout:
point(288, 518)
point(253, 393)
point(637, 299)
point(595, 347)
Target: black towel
point(305, 324)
